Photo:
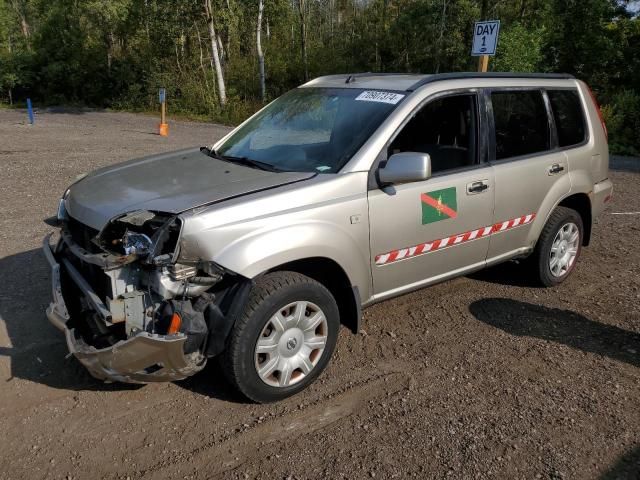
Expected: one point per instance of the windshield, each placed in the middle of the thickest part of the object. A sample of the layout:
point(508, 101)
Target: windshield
point(311, 129)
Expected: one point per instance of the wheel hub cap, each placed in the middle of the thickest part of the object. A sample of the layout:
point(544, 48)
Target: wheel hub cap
point(564, 249)
point(291, 344)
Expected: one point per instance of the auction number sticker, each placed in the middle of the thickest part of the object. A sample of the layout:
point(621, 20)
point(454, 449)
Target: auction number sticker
point(384, 97)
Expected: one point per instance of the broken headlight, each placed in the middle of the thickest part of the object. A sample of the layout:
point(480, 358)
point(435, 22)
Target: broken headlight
point(137, 243)
point(144, 233)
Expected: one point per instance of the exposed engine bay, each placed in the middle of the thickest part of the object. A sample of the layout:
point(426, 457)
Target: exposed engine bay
point(124, 284)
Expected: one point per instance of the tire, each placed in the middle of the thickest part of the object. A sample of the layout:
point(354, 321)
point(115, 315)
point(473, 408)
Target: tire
point(297, 321)
point(542, 261)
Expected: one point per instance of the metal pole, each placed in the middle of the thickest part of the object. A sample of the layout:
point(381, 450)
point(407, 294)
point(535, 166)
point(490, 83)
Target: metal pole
point(30, 111)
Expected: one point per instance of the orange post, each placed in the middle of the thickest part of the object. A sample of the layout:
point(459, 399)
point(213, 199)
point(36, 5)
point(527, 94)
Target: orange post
point(164, 126)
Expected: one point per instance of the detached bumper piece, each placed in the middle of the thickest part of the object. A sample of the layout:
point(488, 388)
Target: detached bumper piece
point(142, 358)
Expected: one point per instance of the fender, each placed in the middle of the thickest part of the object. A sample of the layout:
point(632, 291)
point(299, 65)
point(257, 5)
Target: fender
point(580, 184)
point(559, 190)
point(263, 250)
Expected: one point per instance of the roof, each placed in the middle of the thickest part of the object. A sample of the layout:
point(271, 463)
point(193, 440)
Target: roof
point(412, 81)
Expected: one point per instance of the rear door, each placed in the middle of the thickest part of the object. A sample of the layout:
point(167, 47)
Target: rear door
point(531, 172)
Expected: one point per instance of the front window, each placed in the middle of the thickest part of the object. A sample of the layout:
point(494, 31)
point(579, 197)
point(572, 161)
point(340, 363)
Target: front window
point(446, 129)
point(312, 129)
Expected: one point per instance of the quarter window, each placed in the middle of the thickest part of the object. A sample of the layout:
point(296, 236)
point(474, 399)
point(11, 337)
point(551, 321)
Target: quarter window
point(521, 123)
point(568, 116)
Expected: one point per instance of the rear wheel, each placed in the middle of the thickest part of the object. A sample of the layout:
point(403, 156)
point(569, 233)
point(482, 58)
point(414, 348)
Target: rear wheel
point(558, 247)
point(284, 339)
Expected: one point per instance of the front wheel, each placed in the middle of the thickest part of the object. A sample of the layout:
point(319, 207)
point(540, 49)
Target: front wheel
point(558, 247)
point(284, 339)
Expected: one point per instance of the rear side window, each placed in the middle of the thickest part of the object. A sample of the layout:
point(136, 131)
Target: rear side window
point(521, 123)
point(568, 115)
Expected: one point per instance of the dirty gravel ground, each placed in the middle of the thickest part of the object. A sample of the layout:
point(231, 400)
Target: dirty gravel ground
point(481, 377)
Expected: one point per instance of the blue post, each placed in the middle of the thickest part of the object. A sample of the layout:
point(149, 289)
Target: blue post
point(30, 111)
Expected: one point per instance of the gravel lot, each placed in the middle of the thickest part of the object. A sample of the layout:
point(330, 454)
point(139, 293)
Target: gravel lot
point(481, 377)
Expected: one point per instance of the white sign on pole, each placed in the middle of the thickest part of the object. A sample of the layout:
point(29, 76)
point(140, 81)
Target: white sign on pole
point(485, 38)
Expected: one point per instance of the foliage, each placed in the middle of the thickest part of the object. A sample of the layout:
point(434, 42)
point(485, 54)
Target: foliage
point(622, 117)
point(117, 53)
point(520, 49)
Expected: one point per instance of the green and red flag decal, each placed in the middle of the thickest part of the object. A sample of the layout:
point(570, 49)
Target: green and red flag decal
point(439, 205)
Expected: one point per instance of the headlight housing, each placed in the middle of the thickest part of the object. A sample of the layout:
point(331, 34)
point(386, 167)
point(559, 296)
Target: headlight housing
point(62, 214)
point(137, 243)
point(153, 235)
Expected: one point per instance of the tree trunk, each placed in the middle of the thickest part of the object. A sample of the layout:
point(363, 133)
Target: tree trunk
point(25, 29)
point(204, 70)
point(222, 94)
point(227, 50)
point(110, 47)
point(263, 92)
point(303, 37)
point(178, 59)
point(224, 58)
point(443, 23)
point(483, 10)
point(20, 8)
point(523, 9)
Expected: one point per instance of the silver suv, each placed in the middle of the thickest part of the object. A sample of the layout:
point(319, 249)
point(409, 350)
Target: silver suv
point(346, 191)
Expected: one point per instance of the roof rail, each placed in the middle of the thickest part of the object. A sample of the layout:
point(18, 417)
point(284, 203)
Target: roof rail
point(351, 77)
point(437, 77)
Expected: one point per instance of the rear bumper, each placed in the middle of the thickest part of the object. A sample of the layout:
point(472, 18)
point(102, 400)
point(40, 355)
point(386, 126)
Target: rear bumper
point(602, 195)
point(142, 358)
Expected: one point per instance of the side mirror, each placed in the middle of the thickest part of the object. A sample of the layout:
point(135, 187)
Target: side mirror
point(406, 167)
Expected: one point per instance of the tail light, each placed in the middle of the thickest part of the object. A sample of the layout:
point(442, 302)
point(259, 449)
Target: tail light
point(595, 102)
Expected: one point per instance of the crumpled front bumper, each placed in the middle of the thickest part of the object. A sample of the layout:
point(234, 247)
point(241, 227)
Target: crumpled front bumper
point(143, 358)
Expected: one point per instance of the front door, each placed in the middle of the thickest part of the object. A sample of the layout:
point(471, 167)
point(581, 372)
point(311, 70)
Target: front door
point(426, 231)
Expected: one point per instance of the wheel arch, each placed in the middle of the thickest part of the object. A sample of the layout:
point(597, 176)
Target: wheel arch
point(333, 277)
point(581, 203)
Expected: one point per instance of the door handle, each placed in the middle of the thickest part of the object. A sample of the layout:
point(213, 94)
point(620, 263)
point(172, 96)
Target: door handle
point(555, 168)
point(477, 187)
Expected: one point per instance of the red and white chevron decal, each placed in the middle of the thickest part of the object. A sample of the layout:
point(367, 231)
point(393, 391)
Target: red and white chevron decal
point(432, 246)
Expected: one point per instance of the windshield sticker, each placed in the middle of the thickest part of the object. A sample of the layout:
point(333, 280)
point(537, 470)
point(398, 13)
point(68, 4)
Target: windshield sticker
point(383, 97)
point(323, 168)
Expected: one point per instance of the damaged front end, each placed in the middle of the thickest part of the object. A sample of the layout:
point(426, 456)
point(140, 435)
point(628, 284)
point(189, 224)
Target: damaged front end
point(131, 312)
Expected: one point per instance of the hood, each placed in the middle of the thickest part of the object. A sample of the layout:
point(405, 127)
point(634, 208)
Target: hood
point(171, 182)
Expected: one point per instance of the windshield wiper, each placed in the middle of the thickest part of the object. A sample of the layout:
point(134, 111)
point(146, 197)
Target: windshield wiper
point(241, 160)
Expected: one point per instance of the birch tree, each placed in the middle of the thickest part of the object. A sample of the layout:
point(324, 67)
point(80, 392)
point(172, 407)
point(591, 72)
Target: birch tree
point(222, 92)
point(263, 92)
point(303, 36)
point(20, 8)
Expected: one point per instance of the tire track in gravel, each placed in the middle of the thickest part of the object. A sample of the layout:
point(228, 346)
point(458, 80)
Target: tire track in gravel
point(215, 459)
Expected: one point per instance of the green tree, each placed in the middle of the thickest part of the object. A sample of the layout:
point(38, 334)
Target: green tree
point(520, 49)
